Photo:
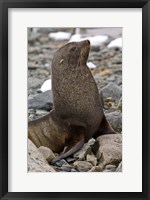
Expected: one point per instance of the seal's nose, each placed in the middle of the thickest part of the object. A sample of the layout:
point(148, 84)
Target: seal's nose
point(88, 42)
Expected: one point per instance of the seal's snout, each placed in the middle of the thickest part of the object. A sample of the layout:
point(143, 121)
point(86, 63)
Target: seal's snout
point(88, 42)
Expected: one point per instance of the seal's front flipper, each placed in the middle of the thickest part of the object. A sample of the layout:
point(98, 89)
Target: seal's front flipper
point(105, 128)
point(69, 150)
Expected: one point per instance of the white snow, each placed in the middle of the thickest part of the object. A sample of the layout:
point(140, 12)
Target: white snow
point(94, 40)
point(91, 65)
point(47, 85)
point(60, 36)
point(115, 43)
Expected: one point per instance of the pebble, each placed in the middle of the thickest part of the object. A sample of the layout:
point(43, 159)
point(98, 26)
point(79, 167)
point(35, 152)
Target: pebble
point(119, 168)
point(111, 168)
point(82, 166)
point(46, 152)
point(92, 159)
point(96, 169)
point(69, 159)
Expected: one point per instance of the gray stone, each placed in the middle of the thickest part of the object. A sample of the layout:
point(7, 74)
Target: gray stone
point(112, 91)
point(82, 166)
point(119, 168)
point(47, 153)
point(111, 168)
point(92, 159)
point(42, 101)
point(110, 150)
point(100, 81)
point(115, 120)
point(119, 106)
point(36, 161)
point(69, 159)
point(60, 163)
point(96, 169)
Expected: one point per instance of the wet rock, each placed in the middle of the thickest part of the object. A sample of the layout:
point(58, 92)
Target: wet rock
point(82, 166)
point(96, 169)
point(112, 91)
point(43, 101)
point(92, 159)
point(119, 168)
point(115, 120)
point(36, 161)
point(110, 150)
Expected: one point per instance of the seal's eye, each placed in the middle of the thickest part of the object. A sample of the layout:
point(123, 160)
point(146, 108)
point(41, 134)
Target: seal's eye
point(72, 49)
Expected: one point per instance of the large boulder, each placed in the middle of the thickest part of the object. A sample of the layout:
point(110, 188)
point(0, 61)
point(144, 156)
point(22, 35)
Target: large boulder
point(36, 161)
point(110, 150)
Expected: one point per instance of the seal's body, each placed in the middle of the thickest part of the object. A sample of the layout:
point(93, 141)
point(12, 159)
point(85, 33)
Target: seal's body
point(77, 109)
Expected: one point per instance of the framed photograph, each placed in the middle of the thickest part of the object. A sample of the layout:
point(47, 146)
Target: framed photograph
point(74, 99)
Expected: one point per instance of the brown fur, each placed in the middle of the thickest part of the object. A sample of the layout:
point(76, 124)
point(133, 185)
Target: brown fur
point(77, 113)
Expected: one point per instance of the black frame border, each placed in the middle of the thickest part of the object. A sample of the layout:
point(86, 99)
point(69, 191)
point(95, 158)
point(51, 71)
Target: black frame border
point(4, 6)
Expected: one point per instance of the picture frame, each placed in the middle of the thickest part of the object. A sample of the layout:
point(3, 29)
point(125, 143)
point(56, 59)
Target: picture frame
point(4, 6)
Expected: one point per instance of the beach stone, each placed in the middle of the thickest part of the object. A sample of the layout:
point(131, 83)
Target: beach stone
point(111, 168)
point(47, 153)
point(112, 91)
point(92, 159)
point(110, 150)
point(60, 163)
point(42, 101)
point(119, 168)
point(96, 169)
point(82, 166)
point(115, 120)
point(69, 159)
point(36, 161)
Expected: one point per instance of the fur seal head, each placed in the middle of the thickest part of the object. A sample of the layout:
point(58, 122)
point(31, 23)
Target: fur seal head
point(72, 54)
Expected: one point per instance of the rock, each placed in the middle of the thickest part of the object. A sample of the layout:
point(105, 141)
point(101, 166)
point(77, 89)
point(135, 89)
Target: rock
point(60, 163)
point(119, 168)
point(65, 169)
point(115, 120)
point(34, 83)
point(96, 169)
point(42, 101)
point(119, 106)
point(111, 168)
point(110, 150)
point(92, 159)
point(36, 161)
point(112, 91)
point(47, 153)
point(100, 81)
point(69, 159)
point(82, 166)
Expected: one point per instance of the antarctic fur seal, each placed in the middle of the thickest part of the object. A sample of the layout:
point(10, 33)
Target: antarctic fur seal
point(77, 113)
